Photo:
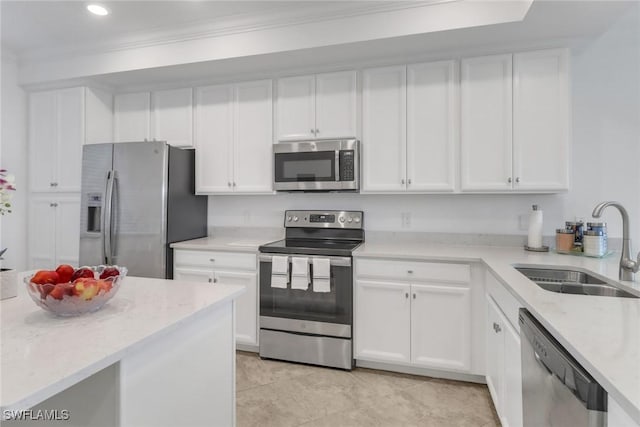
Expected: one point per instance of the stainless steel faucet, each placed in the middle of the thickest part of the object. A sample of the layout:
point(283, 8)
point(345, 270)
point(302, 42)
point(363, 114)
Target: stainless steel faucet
point(627, 266)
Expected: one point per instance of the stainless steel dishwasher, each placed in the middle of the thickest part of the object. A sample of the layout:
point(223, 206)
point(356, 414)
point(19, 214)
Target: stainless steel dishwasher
point(556, 390)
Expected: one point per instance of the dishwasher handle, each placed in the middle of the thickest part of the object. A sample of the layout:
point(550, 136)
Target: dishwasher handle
point(557, 361)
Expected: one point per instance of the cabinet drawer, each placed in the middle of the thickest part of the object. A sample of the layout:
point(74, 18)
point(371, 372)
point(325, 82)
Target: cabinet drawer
point(414, 270)
point(207, 259)
point(503, 298)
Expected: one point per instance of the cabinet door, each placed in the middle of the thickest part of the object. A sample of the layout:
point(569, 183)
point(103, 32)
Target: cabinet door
point(440, 326)
point(42, 233)
point(173, 116)
point(132, 116)
point(336, 105)
point(384, 129)
point(486, 123)
point(512, 403)
point(70, 137)
point(382, 321)
point(296, 108)
point(214, 139)
point(431, 126)
point(67, 230)
point(246, 304)
point(98, 116)
point(541, 120)
point(192, 275)
point(42, 140)
point(495, 354)
point(252, 150)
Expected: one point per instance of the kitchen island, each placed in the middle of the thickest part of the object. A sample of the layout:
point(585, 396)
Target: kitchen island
point(160, 353)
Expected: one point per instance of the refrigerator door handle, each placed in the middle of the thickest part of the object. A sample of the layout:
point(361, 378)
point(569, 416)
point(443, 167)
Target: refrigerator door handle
point(107, 230)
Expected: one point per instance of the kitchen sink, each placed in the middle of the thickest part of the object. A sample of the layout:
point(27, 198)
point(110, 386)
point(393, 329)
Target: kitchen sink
point(564, 281)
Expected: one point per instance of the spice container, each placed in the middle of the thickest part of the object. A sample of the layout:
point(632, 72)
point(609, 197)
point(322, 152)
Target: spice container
point(601, 227)
point(577, 227)
point(565, 239)
point(594, 243)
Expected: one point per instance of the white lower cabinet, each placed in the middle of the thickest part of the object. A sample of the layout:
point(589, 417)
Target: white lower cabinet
point(414, 319)
point(228, 268)
point(54, 230)
point(504, 372)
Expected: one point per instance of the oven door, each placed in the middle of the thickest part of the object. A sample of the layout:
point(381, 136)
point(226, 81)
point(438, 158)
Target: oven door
point(334, 307)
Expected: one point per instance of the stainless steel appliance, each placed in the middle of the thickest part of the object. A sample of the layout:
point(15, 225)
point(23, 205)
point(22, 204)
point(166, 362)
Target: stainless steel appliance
point(331, 165)
point(556, 390)
point(308, 325)
point(137, 198)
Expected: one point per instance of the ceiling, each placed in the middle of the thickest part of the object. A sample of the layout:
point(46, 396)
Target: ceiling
point(32, 28)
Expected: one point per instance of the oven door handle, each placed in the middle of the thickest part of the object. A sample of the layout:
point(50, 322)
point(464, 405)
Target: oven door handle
point(333, 260)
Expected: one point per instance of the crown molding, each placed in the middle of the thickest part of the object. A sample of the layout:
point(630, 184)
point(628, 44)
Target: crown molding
point(277, 17)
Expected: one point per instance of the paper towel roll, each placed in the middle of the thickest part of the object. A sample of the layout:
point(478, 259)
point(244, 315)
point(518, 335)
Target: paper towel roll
point(535, 228)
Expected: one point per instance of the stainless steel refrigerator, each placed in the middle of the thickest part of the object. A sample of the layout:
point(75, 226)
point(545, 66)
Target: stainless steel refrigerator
point(137, 199)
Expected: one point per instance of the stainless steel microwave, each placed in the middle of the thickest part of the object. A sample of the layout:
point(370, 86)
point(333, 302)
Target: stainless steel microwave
point(331, 165)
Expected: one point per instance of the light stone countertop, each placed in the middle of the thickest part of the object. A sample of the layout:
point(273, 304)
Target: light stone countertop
point(602, 333)
point(43, 354)
point(230, 239)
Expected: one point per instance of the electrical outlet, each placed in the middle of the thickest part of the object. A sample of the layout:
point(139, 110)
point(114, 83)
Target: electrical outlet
point(406, 219)
point(523, 222)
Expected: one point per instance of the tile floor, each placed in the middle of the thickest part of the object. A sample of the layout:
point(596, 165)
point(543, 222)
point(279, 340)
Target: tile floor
point(271, 393)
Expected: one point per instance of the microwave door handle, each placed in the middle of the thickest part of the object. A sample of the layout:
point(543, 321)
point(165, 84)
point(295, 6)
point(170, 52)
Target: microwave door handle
point(337, 165)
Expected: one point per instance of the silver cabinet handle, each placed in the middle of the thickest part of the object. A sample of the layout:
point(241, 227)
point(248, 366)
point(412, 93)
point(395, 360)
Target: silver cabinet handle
point(210, 280)
point(414, 296)
point(406, 295)
point(409, 271)
point(409, 181)
point(53, 205)
point(496, 327)
point(317, 131)
point(313, 131)
point(402, 181)
point(234, 184)
point(517, 179)
point(215, 280)
point(509, 180)
point(212, 259)
point(228, 184)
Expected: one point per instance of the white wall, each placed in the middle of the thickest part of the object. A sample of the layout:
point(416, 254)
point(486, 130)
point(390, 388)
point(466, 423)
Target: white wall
point(606, 142)
point(13, 156)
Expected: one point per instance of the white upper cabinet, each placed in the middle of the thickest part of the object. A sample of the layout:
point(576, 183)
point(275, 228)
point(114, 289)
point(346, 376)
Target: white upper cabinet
point(173, 116)
point(336, 105)
point(296, 108)
point(233, 128)
point(214, 139)
point(252, 152)
point(541, 120)
point(384, 125)
point(432, 123)
point(515, 122)
point(486, 123)
point(319, 106)
point(60, 121)
point(132, 117)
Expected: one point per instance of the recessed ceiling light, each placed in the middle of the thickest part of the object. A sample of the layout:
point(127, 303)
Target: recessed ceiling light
point(97, 9)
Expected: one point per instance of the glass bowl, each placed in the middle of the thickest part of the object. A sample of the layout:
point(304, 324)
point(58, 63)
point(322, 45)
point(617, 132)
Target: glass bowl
point(71, 299)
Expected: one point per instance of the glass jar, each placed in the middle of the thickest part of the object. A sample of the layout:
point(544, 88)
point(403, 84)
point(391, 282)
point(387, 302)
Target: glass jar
point(594, 243)
point(564, 240)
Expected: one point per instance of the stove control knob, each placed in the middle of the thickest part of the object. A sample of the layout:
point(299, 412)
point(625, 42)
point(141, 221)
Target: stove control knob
point(357, 220)
point(295, 219)
point(341, 219)
point(350, 219)
point(289, 219)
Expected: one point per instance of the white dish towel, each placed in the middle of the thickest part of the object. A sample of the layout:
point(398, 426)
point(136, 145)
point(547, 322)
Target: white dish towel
point(300, 273)
point(321, 275)
point(279, 271)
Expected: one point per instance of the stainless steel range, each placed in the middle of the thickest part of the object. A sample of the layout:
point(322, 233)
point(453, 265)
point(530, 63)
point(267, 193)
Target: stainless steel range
point(306, 289)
